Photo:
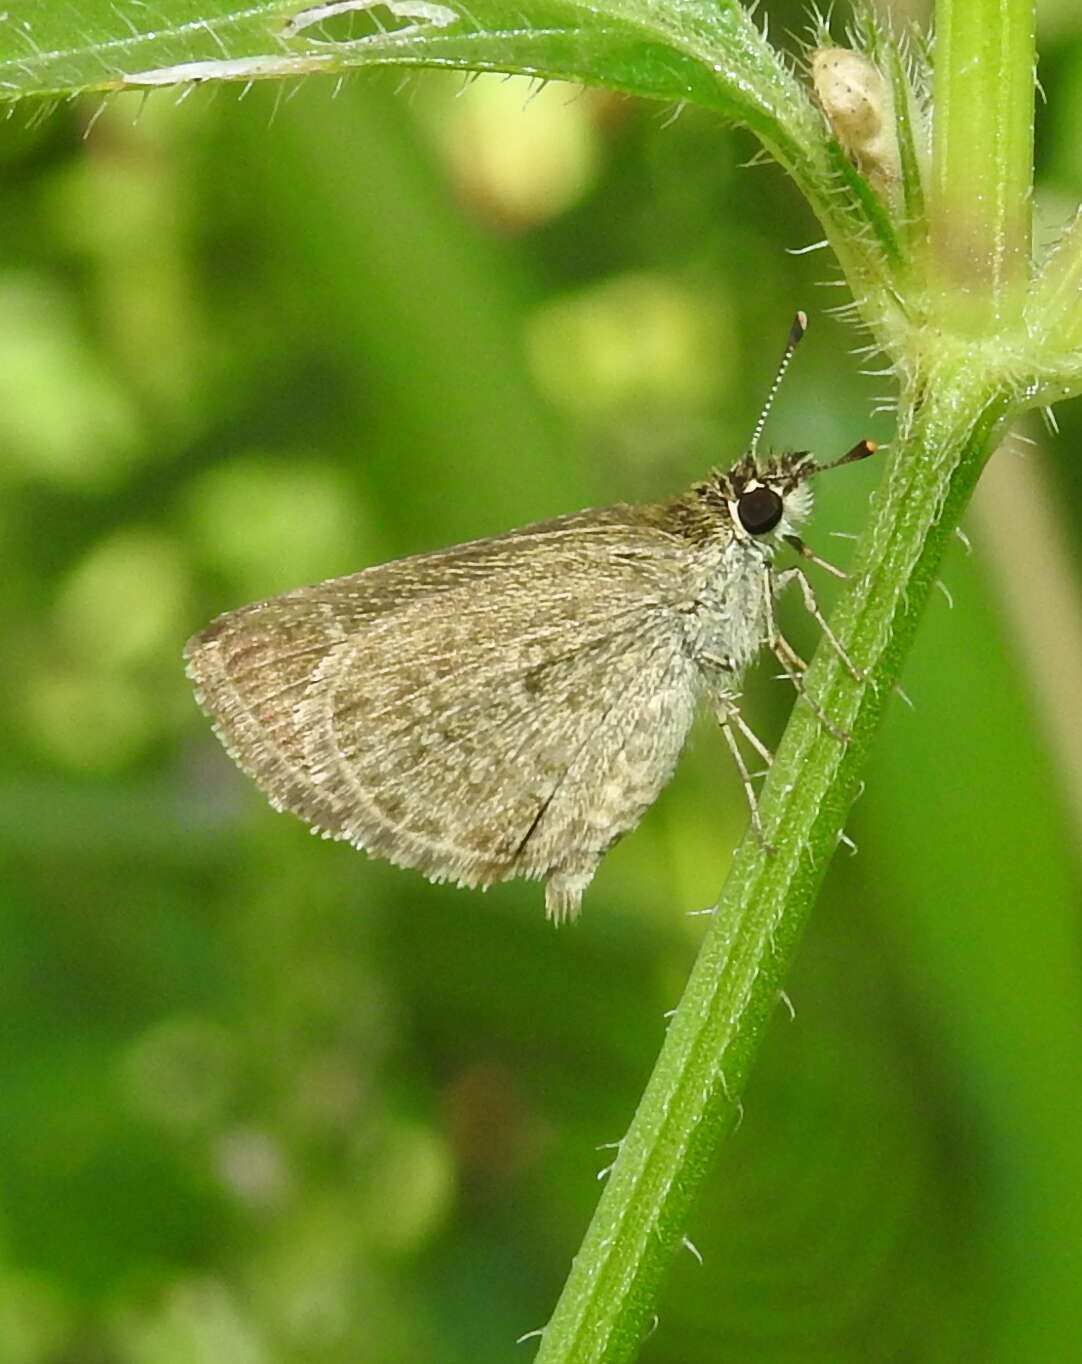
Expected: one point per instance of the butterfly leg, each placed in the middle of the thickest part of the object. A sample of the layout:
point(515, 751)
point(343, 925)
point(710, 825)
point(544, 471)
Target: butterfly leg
point(749, 735)
point(811, 605)
point(729, 718)
point(806, 552)
point(790, 660)
point(787, 657)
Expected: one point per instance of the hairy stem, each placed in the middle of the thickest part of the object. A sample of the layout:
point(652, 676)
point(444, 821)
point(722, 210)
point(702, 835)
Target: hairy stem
point(693, 1094)
point(957, 398)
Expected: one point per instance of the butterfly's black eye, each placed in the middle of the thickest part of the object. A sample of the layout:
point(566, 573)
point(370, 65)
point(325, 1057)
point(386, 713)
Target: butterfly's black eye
point(759, 510)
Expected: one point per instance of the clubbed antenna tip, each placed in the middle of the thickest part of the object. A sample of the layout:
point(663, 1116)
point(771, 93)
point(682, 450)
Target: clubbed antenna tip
point(861, 450)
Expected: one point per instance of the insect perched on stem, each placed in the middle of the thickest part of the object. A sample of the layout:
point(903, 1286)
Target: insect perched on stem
point(512, 706)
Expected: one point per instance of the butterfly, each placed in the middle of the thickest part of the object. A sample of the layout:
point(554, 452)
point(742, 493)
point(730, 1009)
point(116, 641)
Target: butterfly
point(511, 707)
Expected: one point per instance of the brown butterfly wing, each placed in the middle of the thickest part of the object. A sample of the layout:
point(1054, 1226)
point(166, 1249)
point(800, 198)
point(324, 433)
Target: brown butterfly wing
point(503, 708)
point(251, 667)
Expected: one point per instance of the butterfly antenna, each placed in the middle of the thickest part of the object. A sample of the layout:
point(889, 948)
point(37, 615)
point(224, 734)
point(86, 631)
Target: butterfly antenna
point(861, 450)
point(796, 333)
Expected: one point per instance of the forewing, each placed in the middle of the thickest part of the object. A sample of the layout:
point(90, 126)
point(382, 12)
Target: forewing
point(507, 708)
point(252, 667)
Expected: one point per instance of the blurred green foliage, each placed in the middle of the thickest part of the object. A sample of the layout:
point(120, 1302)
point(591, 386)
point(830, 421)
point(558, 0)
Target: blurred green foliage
point(266, 1101)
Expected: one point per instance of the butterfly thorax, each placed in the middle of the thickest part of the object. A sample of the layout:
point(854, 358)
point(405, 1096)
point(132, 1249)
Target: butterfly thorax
point(727, 617)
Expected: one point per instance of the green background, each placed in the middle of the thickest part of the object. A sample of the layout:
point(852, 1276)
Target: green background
point(263, 1100)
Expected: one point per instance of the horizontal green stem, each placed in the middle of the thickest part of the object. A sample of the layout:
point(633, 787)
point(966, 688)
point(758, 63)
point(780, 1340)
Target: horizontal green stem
point(694, 1092)
point(706, 52)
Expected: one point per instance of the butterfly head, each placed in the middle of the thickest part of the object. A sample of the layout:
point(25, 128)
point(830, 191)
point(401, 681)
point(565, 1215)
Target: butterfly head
point(770, 497)
point(773, 495)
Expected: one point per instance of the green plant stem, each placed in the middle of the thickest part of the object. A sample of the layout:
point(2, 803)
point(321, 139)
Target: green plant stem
point(908, 126)
point(957, 399)
point(981, 204)
point(693, 1095)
